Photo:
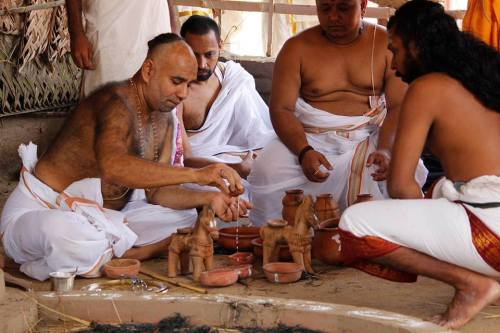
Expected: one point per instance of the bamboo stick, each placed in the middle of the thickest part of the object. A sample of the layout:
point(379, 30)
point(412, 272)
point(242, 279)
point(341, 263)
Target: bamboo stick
point(25, 9)
point(160, 277)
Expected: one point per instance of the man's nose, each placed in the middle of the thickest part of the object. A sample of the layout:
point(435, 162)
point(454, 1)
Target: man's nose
point(202, 62)
point(393, 64)
point(334, 15)
point(182, 91)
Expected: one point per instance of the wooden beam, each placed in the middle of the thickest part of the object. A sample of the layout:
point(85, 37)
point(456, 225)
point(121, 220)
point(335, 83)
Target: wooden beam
point(25, 9)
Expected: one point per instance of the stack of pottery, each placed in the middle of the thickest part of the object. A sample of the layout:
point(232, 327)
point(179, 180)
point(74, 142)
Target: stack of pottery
point(291, 201)
point(363, 197)
point(326, 208)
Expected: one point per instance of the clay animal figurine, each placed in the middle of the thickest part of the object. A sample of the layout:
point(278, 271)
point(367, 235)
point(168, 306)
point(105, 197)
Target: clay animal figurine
point(196, 245)
point(299, 236)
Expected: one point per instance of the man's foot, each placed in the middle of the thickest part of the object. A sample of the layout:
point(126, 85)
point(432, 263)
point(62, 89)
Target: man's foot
point(468, 302)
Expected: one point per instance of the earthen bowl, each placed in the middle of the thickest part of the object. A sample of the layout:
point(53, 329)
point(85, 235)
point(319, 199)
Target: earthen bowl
point(227, 237)
point(284, 252)
point(277, 223)
point(240, 258)
point(118, 268)
point(282, 272)
point(244, 271)
point(219, 277)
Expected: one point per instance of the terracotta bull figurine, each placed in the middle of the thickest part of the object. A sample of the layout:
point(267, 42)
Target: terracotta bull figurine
point(299, 236)
point(195, 244)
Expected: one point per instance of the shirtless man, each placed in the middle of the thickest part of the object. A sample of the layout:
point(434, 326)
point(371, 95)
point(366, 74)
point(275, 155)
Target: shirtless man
point(452, 105)
point(327, 107)
point(224, 116)
point(126, 135)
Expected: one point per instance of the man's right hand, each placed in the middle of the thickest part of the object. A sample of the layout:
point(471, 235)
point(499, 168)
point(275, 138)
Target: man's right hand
point(221, 176)
point(229, 208)
point(311, 163)
point(81, 51)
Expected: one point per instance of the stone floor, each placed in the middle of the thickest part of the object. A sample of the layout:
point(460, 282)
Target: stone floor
point(339, 285)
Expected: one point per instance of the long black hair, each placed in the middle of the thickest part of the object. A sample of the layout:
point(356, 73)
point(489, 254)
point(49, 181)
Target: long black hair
point(442, 47)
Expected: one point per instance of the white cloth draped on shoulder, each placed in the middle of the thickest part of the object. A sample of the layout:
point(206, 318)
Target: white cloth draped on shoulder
point(346, 141)
point(46, 231)
point(119, 31)
point(238, 120)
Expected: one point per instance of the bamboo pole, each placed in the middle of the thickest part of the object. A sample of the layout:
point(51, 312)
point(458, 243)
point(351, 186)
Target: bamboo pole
point(25, 9)
point(270, 15)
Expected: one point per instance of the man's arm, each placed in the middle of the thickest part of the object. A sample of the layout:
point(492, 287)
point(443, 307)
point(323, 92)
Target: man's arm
point(118, 166)
point(174, 16)
point(81, 48)
point(415, 121)
point(285, 92)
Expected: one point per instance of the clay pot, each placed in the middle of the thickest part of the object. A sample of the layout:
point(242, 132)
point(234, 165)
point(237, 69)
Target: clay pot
point(240, 258)
point(219, 277)
point(326, 208)
point(282, 272)
point(284, 252)
point(227, 237)
point(118, 268)
point(291, 201)
point(244, 271)
point(363, 198)
point(330, 223)
point(326, 246)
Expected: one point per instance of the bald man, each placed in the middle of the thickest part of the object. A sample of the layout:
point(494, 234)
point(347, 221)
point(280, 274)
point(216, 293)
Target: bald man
point(75, 208)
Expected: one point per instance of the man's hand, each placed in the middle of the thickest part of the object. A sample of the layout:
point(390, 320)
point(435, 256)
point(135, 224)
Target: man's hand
point(221, 176)
point(245, 166)
point(226, 207)
point(311, 163)
point(381, 159)
point(81, 51)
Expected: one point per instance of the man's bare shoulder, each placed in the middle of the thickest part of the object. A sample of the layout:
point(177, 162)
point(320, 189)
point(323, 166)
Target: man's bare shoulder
point(302, 40)
point(438, 85)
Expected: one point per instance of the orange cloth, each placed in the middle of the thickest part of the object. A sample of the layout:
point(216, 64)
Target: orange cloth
point(482, 20)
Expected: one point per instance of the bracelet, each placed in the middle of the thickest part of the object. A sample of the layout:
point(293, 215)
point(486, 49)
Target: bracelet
point(303, 153)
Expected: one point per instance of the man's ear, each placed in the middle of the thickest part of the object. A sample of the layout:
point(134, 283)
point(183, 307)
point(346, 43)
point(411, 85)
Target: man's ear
point(147, 70)
point(364, 4)
point(221, 44)
point(413, 50)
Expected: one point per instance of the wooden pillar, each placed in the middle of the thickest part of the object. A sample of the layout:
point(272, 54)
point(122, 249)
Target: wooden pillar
point(270, 15)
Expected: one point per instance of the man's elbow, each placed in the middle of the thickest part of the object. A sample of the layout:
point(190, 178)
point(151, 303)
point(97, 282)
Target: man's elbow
point(108, 171)
point(403, 190)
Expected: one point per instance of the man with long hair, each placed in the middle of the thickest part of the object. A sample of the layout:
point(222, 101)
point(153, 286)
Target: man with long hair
point(452, 106)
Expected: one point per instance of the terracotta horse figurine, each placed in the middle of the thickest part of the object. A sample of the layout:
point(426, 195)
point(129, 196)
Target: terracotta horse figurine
point(195, 244)
point(299, 236)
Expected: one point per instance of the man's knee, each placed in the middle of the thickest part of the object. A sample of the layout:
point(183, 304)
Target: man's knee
point(352, 218)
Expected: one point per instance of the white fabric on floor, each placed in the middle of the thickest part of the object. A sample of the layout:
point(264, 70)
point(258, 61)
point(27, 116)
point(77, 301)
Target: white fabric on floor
point(437, 227)
point(277, 169)
point(119, 31)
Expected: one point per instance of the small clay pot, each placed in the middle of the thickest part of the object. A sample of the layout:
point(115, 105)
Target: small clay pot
point(240, 258)
point(284, 252)
point(244, 271)
point(326, 246)
point(330, 223)
point(227, 237)
point(326, 208)
point(219, 277)
point(363, 198)
point(282, 272)
point(291, 201)
point(118, 268)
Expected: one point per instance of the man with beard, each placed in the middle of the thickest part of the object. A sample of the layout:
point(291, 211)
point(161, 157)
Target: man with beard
point(334, 105)
point(122, 137)
point(225, 118)
point(453, 106)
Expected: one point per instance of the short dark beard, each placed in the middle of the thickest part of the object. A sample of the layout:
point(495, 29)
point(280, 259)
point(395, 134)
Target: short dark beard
point(206, 74)
point(413, 70)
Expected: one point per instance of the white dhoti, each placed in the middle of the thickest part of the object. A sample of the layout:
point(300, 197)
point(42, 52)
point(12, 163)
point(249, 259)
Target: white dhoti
point(46, 231)
point(238, 120)
point(347, 143)
point(119, 31)
point(458, 233)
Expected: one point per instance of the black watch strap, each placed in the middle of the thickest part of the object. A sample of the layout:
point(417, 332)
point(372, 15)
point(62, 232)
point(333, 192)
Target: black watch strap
point(303, 153)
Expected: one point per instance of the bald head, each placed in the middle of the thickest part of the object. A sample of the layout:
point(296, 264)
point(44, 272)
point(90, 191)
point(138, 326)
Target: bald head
point(169, 68)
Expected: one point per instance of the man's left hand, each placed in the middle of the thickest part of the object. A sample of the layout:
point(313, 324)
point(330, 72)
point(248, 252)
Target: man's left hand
point(226, 207)
point(381, 158)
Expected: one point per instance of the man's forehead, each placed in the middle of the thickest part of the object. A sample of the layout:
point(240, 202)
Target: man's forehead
point(207, 39)
point(334, 2)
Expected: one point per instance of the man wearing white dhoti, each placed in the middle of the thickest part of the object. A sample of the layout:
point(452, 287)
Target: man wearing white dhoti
point(225, 117)
point(334, 105)
point(453, 107)
point(123, 137)
point(112, 43)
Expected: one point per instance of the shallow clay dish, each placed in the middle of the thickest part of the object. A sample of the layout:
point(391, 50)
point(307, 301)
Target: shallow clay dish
point(227, 237)
point(330, 223)
point(219, 277)
point(282, 272)
point(240, 258)
point(118, 268)
point(244, 271)
point(284, 252)
point(277, 223)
